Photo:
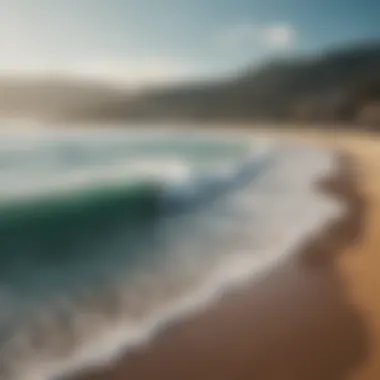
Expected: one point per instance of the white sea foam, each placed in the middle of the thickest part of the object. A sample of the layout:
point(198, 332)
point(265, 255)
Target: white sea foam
point(196, 256)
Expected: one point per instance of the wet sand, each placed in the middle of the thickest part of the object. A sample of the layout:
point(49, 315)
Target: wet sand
point(303, 321)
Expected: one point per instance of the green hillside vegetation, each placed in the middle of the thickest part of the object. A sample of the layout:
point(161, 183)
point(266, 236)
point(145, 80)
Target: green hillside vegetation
point(338, 85)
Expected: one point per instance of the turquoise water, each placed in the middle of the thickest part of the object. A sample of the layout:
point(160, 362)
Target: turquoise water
point(74, 211)
point(105, 236)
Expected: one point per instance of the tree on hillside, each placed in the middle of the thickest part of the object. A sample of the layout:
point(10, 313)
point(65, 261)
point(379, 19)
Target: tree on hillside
point(366, 98)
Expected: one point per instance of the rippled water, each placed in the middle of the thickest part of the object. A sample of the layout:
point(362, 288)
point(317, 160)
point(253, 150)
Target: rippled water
point(105, 236)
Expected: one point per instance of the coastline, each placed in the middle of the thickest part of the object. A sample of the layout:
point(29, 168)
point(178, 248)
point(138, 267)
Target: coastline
point(297, 323)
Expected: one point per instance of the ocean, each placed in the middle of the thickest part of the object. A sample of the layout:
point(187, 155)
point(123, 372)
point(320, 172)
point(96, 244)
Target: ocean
point(109, 236)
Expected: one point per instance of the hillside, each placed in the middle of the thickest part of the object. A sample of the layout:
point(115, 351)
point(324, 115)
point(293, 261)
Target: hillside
point(332, 86)
point(53, 98)
point(335, 85)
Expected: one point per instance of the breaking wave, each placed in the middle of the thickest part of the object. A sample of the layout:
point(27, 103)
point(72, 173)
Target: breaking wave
point(106, 237)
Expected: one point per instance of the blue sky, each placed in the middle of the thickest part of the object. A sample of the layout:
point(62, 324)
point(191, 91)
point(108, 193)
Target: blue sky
point(138, 41)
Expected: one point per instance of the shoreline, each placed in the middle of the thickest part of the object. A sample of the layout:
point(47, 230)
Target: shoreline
point(297, 323)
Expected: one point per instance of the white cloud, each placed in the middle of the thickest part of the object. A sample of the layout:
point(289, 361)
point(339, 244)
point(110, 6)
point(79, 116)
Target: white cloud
point(27, 52)
point(135, 73)
point(248, 35)
point(279, 36)
point(129, 73)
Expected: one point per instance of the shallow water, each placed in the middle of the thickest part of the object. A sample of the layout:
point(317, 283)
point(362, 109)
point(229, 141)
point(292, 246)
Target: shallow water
point(106, 236)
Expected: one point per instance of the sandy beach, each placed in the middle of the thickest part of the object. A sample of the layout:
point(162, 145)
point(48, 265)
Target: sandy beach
point(316, 317)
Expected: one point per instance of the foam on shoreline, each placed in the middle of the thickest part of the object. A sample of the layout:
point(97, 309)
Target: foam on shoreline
point(197, 257)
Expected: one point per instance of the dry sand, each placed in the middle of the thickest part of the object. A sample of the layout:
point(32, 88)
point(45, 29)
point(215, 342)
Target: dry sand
point(315, 318)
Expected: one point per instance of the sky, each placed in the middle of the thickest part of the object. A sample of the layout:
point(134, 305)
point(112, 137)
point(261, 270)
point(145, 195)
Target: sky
point(137, 42)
